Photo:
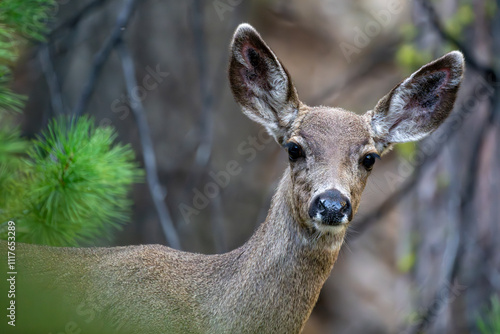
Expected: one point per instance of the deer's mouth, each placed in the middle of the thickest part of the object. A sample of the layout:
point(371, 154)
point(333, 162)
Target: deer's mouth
point(330, 229)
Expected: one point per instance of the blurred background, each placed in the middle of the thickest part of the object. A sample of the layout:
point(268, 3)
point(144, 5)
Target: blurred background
point(423, 254)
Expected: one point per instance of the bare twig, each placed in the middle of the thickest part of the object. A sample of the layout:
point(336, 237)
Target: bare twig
point(73, 21)
point(147, 149)
point(52, 80)
point(204, 151)
point(205, 132)
point(103, 54)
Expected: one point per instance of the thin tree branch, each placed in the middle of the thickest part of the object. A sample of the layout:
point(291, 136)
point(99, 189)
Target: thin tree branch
point(147, 149)
point(103, 54)
point(469, 57)
point(204, 151)
point(73, 21)
point(442, 296)
point(205, 133)
point(52, 80)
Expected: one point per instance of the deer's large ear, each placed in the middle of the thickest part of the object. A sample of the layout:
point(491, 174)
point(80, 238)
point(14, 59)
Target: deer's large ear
point(260, 83)
point(419, 104)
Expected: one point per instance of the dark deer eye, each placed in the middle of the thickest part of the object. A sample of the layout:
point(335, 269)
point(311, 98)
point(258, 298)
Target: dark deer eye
point(369, 160)
point(294, 151)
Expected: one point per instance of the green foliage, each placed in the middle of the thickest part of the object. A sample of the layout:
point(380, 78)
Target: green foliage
point(9, 101)
point(406, 150)
point(27, 17)
point(406, 262)
point(443, 180)
point(19, 20)
point(12, 146)
point(411, 58)
point(490, 8)
point(489, 322)
point(462, 18)
point(72, 186)
point(408, 31)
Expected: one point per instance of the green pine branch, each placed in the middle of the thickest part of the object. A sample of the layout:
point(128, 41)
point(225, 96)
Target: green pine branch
point(73, 186)
point(489, 321)
point(28, 18)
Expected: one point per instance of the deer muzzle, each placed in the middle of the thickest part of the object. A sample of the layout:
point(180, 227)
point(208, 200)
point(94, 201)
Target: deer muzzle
point(331, 208)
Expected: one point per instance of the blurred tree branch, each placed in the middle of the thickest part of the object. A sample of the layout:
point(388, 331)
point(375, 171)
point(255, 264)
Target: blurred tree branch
point(73, 21)
point(203, 144)
point(52, 80)
point(103, 54)
point(204, 150)
point(147, 149)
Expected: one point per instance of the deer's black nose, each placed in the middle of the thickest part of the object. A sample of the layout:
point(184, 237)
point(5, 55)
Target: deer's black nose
point(331, 207)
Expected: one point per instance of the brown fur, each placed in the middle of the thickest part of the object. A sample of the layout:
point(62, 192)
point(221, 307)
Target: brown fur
point(271, 283)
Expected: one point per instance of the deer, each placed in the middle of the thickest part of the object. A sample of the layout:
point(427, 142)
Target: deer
point(271, 283)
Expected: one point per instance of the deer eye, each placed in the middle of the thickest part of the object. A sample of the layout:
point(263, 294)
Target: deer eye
point(294, 151)
point(369, 160)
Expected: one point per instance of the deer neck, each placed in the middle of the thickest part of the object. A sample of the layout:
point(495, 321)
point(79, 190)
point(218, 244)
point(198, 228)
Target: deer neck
point(283, 267)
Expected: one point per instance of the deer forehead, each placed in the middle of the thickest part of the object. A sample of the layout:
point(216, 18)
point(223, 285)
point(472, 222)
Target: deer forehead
point(334, 132)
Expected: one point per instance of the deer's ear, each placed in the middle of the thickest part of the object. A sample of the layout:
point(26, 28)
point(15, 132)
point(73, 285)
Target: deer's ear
point(260, 83)
point(419, 104)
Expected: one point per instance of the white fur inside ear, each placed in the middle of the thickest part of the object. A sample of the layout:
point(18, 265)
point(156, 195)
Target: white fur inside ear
point(383, 122)
point(398, 124)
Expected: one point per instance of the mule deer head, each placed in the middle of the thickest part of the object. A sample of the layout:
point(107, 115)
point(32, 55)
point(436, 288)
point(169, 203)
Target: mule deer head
point(331, 150)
